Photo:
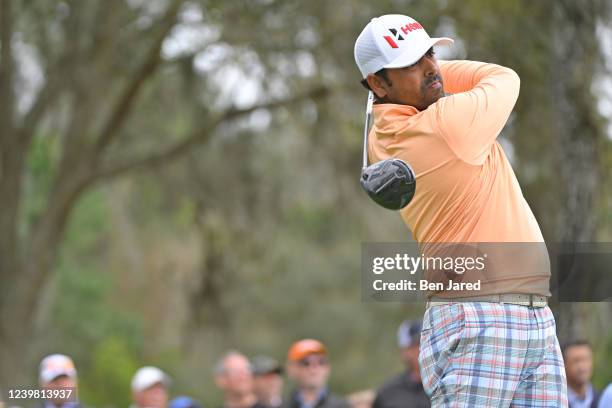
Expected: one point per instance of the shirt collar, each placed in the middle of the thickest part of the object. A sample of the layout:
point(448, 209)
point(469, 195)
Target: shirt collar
point(389, 118)
point(302, 404)
point(575, 398)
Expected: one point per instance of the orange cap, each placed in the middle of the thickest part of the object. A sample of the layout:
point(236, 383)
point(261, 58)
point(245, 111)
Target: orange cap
point(304, 348)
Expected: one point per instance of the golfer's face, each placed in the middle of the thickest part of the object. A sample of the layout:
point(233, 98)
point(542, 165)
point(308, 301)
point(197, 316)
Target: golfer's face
point(418, 85)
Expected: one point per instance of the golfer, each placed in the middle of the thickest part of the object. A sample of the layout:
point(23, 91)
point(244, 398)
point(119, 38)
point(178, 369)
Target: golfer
point(497, 347)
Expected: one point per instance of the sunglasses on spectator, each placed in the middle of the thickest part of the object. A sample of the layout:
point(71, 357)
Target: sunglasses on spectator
point(310, 361)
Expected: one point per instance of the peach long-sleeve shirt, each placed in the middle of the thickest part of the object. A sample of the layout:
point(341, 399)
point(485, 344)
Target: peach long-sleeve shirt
point(466, 190)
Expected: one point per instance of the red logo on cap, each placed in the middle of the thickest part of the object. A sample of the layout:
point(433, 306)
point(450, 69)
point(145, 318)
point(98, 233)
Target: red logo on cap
point(398, 36)
point(390, 41)
point(411, 27)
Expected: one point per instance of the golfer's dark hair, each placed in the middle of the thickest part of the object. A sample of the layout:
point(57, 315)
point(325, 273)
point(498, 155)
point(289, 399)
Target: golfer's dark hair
point(572, 343)
point(381, 73)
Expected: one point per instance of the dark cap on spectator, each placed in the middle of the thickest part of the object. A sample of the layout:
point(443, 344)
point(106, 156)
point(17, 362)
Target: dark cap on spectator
point(265, 365)
point(409, 333)
point(304, 348)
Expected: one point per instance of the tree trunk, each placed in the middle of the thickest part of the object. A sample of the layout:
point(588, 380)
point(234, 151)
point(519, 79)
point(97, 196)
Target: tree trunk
point(576, 55)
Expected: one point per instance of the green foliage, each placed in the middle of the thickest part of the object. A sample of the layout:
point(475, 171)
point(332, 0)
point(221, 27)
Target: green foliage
point(81, 309)
point(103, 339)
point(41, 164)
point(602, 372)
point(88, 226)
point(107, 382)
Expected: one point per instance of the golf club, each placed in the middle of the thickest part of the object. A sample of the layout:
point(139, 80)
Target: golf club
point(391, 182)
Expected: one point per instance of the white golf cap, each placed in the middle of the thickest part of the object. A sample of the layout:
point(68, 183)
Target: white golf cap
point(56, 365)
point(392, 41)
point(147, 377)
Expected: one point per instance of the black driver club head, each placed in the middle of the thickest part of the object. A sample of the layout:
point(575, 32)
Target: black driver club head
point(391, 183)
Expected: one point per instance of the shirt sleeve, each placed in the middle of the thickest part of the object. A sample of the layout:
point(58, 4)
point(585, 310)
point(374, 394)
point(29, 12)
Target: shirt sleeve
point(483, 96)
point(606, 397)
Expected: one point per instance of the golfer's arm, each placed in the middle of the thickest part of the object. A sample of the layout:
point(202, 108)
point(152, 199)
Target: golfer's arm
point(483, 98)
point(463, 76)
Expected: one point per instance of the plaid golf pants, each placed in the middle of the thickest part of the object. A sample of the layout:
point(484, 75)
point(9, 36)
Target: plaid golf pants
point(477, 354)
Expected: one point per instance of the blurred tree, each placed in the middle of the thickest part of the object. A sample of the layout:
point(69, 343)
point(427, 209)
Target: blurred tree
point(95, 59)
point(581, 139)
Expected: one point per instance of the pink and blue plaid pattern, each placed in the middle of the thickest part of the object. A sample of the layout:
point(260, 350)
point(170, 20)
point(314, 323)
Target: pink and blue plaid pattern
point(477, 354)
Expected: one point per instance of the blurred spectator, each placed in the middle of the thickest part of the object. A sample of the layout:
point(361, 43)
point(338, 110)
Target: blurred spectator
point(184, 402)
point(605, 400)
point(361, 399)
point(234, 377)
point(578, 357)
point(57, 372)
point(267, 381)
point(405, 389)
point(308, 366)
point(150, 388)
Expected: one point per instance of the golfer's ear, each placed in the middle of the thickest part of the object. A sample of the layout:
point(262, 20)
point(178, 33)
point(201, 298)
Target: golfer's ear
point(376, 85)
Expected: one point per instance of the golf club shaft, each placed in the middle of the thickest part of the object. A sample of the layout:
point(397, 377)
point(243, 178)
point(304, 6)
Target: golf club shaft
point(367, 128)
